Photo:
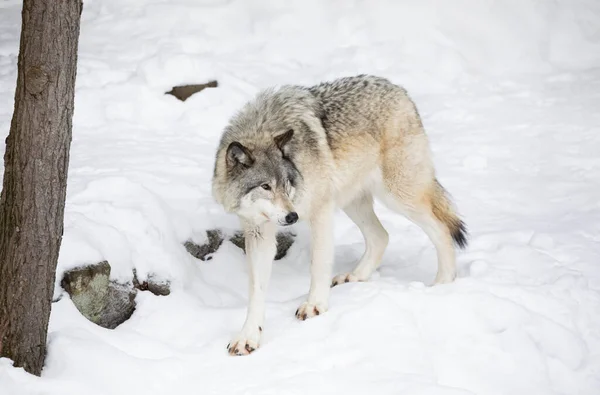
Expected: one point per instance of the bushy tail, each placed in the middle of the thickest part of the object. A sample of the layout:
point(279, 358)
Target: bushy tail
point(444, 211)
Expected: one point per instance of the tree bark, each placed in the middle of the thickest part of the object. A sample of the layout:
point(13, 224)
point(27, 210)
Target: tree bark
point(35, 177)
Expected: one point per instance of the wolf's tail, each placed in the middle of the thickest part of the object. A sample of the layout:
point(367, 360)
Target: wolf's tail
point(444, 211)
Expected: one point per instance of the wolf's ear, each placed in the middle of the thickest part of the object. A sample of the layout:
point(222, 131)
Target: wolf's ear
point(282, 141)
point(238, 154)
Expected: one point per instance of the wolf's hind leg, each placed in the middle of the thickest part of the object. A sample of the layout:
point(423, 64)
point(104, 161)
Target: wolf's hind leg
point(361, 212)
point(431, 211)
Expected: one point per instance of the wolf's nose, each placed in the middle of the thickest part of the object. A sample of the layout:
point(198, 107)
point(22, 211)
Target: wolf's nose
point(291, 218)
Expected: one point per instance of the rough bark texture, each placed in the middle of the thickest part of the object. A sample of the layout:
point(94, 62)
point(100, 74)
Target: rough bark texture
point(35, 177)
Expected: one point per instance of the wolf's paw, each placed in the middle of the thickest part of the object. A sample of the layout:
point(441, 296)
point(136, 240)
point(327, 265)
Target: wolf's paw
point(245, 342)
point(309, 310)
point(344, 278)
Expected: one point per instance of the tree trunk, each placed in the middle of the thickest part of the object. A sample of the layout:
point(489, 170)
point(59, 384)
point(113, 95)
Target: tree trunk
point(35, 177)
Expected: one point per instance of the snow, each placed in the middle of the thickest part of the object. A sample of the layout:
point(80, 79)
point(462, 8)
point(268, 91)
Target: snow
point(509, 92)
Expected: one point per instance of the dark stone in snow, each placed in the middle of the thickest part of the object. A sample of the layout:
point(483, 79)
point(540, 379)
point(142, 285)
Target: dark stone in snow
point(284, 242)
point(216, 237)
point(202, 252)
point(156, 286)
point(183, 92)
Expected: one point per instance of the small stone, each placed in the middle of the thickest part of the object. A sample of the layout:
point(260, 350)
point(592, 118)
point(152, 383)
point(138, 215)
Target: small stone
point(183, 92)
point(153, 284)
point(239, 240)
point(216, 237)
point(284, 242)
point(202, 252)
point(159, 288)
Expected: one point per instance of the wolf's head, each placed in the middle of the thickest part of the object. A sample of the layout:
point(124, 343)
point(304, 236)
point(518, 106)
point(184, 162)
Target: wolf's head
point(263, 153)
point(263, 181)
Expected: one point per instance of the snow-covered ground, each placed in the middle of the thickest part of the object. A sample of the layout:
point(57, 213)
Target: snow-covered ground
point(510, 96)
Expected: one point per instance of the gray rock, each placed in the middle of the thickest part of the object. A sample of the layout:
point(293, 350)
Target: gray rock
point(100, 300)
point(216, 237)
point(183, 92)
point(284, 242)
point(119, 307)
point(159, 288)
point(239, 240)
point(202, 252)
point(153, 284)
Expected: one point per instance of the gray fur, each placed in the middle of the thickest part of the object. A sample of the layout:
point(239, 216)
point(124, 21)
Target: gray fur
point(342, 107)
point(353, 104)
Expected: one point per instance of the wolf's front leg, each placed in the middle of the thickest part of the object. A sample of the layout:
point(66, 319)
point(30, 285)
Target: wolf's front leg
point(321, 264)
point(261, 247)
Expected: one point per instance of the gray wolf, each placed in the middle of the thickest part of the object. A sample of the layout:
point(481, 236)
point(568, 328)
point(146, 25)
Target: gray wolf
point(298, 153)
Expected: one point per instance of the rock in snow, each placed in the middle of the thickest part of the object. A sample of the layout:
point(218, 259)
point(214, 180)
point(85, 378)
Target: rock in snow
point(110, 303)
point(100, 300)
point(183, 92)
point(284, 242)
point(216, 237)
point(105, 302)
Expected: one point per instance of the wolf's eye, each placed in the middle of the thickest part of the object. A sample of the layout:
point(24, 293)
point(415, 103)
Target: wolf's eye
point(266, 187)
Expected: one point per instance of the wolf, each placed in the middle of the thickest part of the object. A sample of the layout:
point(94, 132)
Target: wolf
point(298, 153)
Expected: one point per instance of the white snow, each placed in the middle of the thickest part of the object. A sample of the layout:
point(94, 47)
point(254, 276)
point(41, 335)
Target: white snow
point(510, 96)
